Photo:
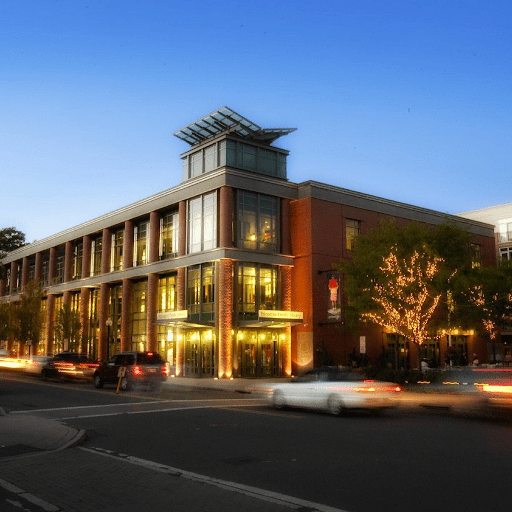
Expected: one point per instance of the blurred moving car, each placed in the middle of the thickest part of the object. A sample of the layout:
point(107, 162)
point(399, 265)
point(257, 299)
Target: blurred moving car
point(139, 368)
point(334, 390)
point(469, 389)
point(34, 364)
point(69, 365)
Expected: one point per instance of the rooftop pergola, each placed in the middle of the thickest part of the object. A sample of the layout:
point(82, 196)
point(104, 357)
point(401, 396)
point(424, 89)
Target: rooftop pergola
point(225, 120)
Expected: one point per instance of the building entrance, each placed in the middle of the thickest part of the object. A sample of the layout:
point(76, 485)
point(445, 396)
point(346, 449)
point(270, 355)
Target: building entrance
point(259, 353)
point(199, 353)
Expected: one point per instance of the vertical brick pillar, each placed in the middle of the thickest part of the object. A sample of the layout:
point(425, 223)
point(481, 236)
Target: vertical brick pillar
point(24, 271)
point(226, 217)
point(151, 310)
point(106, 246)
point(102, 321)
point(286, 242)
point(286, 304)
point(14, 276)
point(68, 261)
point(128, 244)
point(126, 315)
point(225, 309)
point(154, 237)
point(52, 265)
point(50, 325)
point(38, 270)
point(86, 256)
point(182, 240)
point(181, 287)
point(85, 296)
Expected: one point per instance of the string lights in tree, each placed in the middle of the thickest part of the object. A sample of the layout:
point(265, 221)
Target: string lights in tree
point(403, 294)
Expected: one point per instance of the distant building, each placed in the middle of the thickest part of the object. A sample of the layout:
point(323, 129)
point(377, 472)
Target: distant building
point(229, 273)
point(501, 218)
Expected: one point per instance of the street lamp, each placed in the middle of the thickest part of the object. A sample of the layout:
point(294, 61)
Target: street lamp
point(109, 325)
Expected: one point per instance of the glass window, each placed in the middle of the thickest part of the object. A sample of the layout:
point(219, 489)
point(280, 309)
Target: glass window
point(268, 162)
point(96, 250)
point(506, 253)
point(257, 289)
point(141, 243)
point(169, 235)
point(45, 270)
point(201, 292)
point(116, 260)
point(209, 158)
point(139, 316)
point(353, 229)
point(196, 164)
point(167, 298)
point(78, 251)
point(247, 157)
point(59, 271)
point(194, 290)
point(257, 221)
point(202, 223)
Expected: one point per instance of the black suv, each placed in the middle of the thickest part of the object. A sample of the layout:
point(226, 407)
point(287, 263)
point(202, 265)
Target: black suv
point(69, 365)
point(138, 368)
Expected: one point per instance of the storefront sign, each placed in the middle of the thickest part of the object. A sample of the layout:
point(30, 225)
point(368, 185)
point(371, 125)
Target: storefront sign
point(172, 316)
point(283, 316)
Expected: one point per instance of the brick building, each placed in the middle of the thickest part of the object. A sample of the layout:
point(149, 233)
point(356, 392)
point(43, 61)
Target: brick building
point(229, 273)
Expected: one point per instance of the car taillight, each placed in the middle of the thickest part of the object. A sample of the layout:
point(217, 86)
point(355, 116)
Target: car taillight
point(137, 371)
point(165, 370)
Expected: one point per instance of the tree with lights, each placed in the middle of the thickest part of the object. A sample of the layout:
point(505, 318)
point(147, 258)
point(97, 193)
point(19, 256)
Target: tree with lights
point(489, 299)
point(400, 277)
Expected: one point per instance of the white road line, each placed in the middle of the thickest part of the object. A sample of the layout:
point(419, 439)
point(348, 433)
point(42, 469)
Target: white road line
point(130, 404)
point(168, 409)
point(254, 492)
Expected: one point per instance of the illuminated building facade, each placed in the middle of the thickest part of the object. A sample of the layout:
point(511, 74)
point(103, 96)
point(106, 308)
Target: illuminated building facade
point(228, 274)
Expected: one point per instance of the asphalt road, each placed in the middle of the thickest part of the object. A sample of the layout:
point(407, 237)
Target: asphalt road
point(359, 463)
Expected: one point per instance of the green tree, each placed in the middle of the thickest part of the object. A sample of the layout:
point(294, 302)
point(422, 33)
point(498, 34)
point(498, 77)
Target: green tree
point(10, 239)
point(29, 315)
point(489, 307)
point(399, 277)
point(68, 327)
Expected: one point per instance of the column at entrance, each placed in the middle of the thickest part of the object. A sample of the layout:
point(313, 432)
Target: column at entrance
point(50, 323)
point(286, 301)
point(181, 304)
point(225, 316)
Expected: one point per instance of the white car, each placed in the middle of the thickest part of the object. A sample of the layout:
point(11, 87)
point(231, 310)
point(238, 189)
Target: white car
point(334, 390)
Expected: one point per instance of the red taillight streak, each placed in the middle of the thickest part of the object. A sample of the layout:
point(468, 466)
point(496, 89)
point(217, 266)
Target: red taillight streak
point(165, 370)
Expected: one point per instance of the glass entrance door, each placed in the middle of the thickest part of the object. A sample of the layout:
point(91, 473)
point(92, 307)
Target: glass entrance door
point(199, 354)
point(259, 353)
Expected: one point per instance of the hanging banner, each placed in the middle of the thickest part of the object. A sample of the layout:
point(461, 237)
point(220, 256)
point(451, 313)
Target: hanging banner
point(333, 290)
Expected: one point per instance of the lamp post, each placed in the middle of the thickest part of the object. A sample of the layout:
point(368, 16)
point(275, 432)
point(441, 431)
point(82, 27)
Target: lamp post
point(109, 325)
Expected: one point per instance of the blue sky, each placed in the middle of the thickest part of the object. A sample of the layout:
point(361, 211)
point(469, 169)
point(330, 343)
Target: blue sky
point(406, 100)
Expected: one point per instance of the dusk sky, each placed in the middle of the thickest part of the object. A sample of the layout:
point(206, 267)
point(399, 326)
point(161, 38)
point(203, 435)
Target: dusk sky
point(406, 100)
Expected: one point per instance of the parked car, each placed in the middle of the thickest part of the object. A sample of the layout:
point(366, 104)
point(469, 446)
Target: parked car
point(69, 365)
point(334, 390)
point(138, 367)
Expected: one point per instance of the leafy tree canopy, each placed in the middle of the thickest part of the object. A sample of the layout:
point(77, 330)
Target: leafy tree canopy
point(10, 239)
point(414, 246)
